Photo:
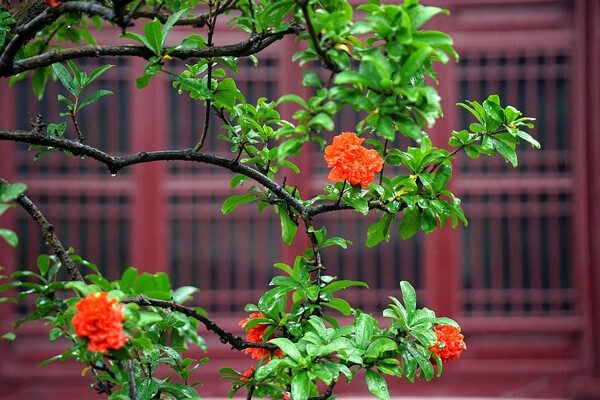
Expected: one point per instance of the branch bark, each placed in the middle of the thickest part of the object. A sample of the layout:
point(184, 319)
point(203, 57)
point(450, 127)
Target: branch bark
point(254, 44)
point(116, 163)
point(47, 230)
point(236, 342)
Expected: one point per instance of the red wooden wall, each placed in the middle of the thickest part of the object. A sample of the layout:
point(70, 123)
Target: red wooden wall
point(522, 279)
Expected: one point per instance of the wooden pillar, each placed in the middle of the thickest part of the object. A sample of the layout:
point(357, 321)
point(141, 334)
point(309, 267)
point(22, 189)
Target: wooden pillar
point(440, 250)
point(586, 103)
point(290, 81)
point(148, 130)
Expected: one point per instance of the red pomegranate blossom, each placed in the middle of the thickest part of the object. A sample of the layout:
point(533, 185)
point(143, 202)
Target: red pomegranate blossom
point(248, 374)
point(53, 3)
point(256, 334)
point(101, 321)
point(351, 161)
point(450, 343)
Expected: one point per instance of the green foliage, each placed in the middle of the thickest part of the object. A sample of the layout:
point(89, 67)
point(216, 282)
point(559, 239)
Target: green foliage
point(378, 62)
point(6, 23)
point(8, 193)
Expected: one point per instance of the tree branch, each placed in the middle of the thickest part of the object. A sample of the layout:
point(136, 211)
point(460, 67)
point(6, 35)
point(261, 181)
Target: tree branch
point(198, 21)
point(252, 45)
point(236, 342)
point(26, 32)
point(47, 230)
point(116, 163)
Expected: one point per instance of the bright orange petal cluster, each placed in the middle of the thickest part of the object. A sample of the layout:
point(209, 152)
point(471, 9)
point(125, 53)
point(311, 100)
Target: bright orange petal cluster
point(53, 3)
point(101, 321)
point(255, 334)
point(351, 161)
point(450, 343)
point(248, 374)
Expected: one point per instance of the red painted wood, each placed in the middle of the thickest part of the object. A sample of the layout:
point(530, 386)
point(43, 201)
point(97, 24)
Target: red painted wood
point(521, 354)
point(147, 131)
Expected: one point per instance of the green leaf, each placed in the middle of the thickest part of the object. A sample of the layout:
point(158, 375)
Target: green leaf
point(527, 137)
point(351, 77)
point(385, 128)
point(410, 223)
point(506, 151)
point(80, 287)
point(300, 386)
point(9, 236)
point(364, 330)
point(380, 230)
point(94, 97)
point(342, 284)
point(43, 263)
point(421, 14)
point(442, 177)
point(493, 109)
point(226, 93)
point(339, 304)
point(323, 120)
point(180, 391)
point(310, 78)
point(9, 336)
point(380, 346)
point(65, 78)
point(137, 37)
point(148, 388)
point(428, 220)
point(169, 24)
point(97, 72)
point(414, 62)
point(288, 227)
point(183, 294)
point(39, 80)
point(409, 297)
point(233, 201)
point(11, 192)
point(288, 348)
point(375, 68)
point(423, 361)
point(153, 32)
point(128, 279)
point(54, 334)
point(377, 385)
point(292, 98)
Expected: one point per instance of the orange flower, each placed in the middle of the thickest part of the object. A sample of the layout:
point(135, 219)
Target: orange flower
point(255, 334)
point(286, 395)
point(248, 374)
point(450, 343)
point(98, 319)
point(53, 3)
point(351, 161)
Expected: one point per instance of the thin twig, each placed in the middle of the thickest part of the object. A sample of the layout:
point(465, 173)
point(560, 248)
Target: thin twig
point(47, 230)
point(236, 342)
point(212, 21)
point(325, 59)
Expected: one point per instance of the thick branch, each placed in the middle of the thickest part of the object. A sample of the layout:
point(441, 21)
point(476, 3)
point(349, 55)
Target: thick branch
point(26, 32)
point(236, 342)
point(116, 163)
point(48, 232)
point(254, 44)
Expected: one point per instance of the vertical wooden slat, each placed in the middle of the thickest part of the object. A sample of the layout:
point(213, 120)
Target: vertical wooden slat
point(148, 133)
